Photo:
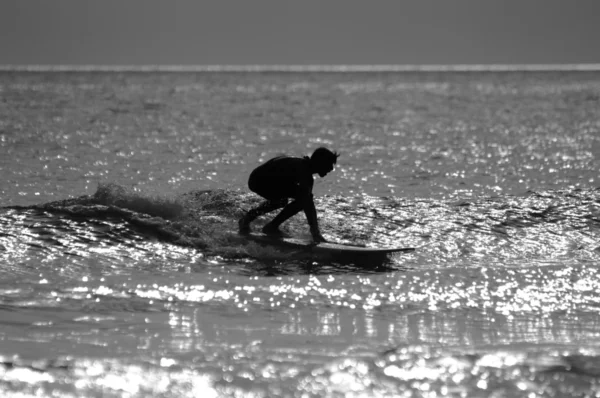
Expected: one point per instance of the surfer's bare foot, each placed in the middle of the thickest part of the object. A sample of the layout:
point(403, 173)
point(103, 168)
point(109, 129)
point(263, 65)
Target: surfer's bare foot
point(244, 227)
point(272, 230)
point(316, 235)
point(319, 239)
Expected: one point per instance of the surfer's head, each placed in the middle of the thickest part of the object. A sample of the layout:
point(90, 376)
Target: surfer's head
point(323, 161)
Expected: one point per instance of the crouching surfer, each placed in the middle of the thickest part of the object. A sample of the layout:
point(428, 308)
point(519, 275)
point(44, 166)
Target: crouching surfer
point(283, 178)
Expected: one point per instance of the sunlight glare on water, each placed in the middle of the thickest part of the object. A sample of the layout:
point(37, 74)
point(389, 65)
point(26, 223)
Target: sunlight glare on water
point(126, 277)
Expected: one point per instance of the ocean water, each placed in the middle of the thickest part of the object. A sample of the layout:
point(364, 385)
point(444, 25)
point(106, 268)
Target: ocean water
point(121, 274)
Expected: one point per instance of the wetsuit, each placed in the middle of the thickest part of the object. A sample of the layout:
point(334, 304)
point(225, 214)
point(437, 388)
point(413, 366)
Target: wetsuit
point(278, 180)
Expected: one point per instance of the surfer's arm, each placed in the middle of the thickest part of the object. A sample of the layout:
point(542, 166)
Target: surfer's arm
point(305, 187)
point(311, 215)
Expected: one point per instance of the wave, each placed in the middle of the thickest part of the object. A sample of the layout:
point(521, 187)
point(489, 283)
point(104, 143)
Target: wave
point(550, 372)
point(122, 224)
point(538, 228)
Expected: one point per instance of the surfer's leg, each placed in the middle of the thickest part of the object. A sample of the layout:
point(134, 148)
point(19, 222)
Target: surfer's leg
point(264, 208)
point(272, 228)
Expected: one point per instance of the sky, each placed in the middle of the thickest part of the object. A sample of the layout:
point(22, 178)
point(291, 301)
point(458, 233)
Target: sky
point(301, 32)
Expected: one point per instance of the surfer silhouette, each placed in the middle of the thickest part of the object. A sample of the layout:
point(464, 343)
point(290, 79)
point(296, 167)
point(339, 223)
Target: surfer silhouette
point(283, 178)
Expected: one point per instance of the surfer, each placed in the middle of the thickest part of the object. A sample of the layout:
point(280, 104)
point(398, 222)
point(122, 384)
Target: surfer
point(283, 178)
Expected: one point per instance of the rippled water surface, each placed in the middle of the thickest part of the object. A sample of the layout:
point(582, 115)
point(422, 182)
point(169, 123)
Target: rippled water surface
point(121, 274)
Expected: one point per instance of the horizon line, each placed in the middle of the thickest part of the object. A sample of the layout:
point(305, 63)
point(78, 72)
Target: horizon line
point(305, 68)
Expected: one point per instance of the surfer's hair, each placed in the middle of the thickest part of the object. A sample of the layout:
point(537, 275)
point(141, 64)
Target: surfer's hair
point(323, 154)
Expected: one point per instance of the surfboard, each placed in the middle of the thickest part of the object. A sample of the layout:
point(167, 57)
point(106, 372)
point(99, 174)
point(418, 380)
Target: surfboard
point(336, 250)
